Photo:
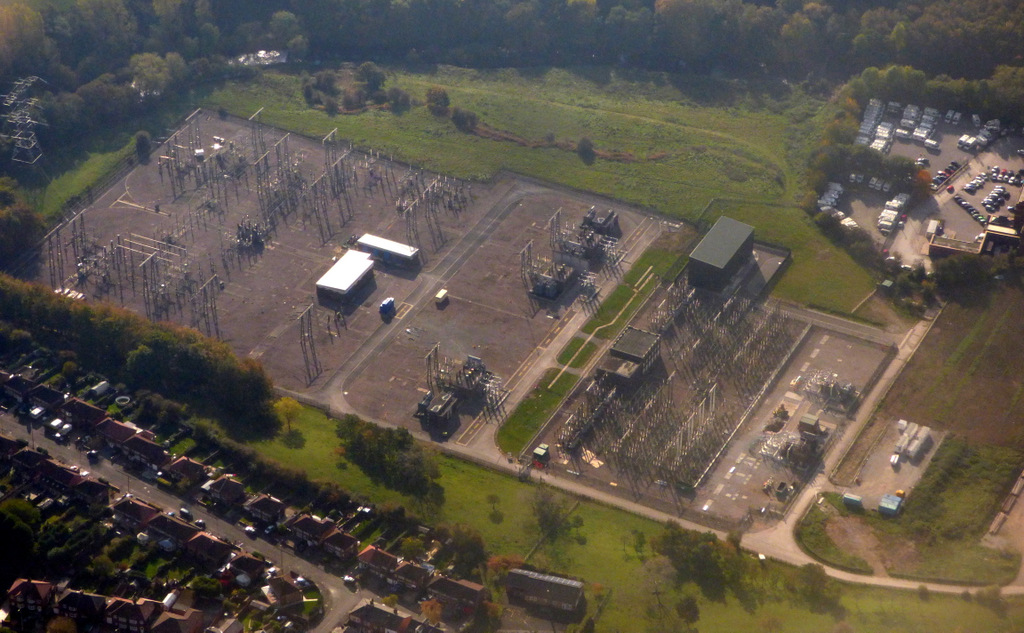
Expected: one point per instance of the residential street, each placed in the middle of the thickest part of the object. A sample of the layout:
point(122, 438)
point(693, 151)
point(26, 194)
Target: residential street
point(338, 599)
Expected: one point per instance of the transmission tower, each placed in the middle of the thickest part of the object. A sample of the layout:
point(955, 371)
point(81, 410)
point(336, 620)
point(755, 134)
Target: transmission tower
point(20, 123)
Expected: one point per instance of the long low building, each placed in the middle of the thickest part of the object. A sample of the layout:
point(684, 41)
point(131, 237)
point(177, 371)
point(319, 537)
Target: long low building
point(389, 251)
point(345, 276)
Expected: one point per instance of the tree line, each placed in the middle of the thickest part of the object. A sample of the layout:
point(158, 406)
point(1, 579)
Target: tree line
point(175, 361)
point(102, 59)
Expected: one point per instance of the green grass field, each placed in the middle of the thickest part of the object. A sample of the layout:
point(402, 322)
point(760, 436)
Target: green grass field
point(685, 153)
point(605, 554)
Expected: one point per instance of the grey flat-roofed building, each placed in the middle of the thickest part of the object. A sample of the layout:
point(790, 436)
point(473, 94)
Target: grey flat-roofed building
point(636, 345)
point(722, 252)
point(543, 589)
point(631, 355)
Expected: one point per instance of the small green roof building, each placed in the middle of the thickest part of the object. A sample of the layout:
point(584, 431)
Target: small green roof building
point(723, 251)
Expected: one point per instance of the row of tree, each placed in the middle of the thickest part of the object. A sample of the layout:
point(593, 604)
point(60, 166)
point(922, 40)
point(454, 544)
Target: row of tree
point(390, 457)
point(177, 362)
point(72, 44)
point(19, 223)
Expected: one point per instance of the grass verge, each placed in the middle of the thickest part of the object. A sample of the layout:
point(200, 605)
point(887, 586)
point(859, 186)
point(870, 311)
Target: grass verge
point(617, 309)
point(577, 352)
point(80, 179)
point(534, 410)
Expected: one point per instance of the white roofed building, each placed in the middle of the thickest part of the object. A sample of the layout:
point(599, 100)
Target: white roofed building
point(345, 276)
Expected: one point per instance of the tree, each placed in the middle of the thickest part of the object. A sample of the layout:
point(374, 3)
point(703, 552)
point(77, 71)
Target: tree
point(69, 370)
point(298, 47)
point(19, 547)
point(816, 588)
point(493, 610)
point(143, 145)
point(398, 99)
point(494, 500)
point(19, 224)
point(503, 563)
point(688, 610)
point(464, 120)
point(390, 601)
point(284, 27)
point(551, 513)
point(585, 149)
point(411, 547)
point(287, 411)
point(205, 586)
point(431, 610)
point(639, 542)
point(371, 76)
point(437, 101)
point(102, 567)
point(468, 549)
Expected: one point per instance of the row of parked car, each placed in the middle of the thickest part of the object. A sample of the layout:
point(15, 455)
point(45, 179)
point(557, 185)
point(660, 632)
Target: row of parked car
point(969, 208)
point(943, 175)
point(995, 200)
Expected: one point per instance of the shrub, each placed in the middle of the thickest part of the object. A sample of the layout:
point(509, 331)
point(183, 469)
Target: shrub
point(585, 149)
point(437, 101)
point(143, 145)
point(464, 120)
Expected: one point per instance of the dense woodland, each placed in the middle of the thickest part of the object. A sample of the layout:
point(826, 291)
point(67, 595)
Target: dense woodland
point(103, 59)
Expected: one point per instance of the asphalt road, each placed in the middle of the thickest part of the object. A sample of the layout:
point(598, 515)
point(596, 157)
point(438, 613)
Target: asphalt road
point(338, 598)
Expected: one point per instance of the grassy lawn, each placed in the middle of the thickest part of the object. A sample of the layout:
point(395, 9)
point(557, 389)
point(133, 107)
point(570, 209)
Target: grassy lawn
point(534, 411)
point(686, 150)
point(184, 446)
point(576, 352)
point(663, 262)
point(81, 177)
